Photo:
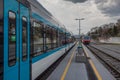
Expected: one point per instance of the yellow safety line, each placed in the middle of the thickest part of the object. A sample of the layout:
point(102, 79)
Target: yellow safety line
point(67, 67)
point(95, 70)
point(93, 67)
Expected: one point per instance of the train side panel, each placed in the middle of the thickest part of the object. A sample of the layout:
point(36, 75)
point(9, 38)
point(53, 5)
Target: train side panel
point(41, 65)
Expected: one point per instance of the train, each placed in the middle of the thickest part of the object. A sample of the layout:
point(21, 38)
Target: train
point(31, 39)
point(86, 40)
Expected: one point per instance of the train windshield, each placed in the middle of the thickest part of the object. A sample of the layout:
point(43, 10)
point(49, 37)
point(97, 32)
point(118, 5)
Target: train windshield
point(86, 37)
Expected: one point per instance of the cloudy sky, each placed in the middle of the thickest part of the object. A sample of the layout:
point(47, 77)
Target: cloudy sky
point(95, 12)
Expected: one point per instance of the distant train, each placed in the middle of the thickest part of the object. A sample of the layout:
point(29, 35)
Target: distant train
point(31, 39)
point(86, 40)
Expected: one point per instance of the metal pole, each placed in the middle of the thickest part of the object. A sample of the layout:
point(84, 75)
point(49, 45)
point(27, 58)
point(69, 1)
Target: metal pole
point(79, 31)
point(79, 28)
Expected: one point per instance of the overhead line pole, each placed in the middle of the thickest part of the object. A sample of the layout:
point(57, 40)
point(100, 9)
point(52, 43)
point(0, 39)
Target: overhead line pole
point(79, 28)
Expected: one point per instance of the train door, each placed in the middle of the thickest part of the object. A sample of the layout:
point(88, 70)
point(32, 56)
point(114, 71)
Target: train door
point(16, 41)
point(24, 43)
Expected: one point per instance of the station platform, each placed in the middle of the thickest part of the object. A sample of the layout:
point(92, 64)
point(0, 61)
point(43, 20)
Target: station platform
point(101, 72)
point(69, 69)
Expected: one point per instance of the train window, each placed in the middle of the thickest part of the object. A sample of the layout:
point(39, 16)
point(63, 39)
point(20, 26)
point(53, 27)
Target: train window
point(49, 35)
point(12, 38)
point(57, 38)
point(24, 38)
point(31, 39)
point(61, 38)
point(1, 40)
point(86, 37)
point(37, 38)
point(54, 38)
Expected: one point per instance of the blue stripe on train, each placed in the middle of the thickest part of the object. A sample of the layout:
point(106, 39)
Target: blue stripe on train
point(43, 55)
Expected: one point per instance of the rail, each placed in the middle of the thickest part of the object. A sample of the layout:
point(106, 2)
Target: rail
point(111, 63)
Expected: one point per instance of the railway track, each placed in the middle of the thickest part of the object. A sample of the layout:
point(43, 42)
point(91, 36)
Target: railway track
point(112, 50)
point(109, 52)
point(118, 52)
point(110, 62)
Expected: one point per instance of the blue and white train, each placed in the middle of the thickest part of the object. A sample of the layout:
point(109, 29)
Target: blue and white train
point(30, 39)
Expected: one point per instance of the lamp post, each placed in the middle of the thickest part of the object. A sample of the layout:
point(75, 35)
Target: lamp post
point(79, 26)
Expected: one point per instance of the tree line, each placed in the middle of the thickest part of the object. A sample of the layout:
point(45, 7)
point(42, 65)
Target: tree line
point(105, 31)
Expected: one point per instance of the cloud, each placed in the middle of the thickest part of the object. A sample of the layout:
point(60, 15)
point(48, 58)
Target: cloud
point(77, 1)
point(66, 12)
point(109, 7)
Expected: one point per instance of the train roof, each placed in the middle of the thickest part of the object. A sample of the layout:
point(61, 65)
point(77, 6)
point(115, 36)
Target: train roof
point(45, 16)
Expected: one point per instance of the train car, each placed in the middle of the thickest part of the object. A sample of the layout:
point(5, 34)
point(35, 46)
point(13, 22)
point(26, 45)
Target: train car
point(86, 40)
point(30, 39)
